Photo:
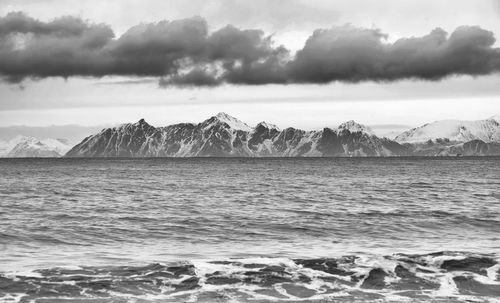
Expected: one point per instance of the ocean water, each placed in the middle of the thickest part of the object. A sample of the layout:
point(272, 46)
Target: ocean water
point(250, 230)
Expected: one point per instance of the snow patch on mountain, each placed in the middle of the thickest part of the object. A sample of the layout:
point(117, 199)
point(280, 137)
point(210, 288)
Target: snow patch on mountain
point(7, 145)
point(353, 127)
point(453, 130)
point(233, 122)
point(267, 125)
point(59, 145)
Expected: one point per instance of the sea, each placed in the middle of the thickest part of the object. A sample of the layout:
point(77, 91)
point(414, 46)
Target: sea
point(250, 230)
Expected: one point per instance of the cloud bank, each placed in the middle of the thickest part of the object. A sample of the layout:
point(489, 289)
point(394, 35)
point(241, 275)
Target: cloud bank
point(184, 53)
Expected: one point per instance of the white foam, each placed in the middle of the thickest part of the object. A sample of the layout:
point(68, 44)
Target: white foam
point(493, 271)
point(447, 286)
point(12, 298)
point(485, 279)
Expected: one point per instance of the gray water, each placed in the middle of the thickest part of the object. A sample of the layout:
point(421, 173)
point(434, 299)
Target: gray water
point(110, 213)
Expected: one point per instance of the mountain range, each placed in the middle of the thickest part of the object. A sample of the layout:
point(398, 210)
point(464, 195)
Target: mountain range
point(225, 136)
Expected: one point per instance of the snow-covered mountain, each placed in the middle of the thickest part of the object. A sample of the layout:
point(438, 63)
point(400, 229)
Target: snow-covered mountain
point(29, 147)
point(447, 148)
point(352, 126)
point(455, 131)
point(223, 135)
point(231, 121)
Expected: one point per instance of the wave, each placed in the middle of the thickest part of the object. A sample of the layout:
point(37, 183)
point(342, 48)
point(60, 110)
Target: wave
point(438, 277)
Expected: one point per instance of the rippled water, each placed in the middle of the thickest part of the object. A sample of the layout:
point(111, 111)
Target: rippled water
point(245, 220)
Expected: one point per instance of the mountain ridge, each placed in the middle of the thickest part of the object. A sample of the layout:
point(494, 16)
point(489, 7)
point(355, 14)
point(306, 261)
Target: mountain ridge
point(224, 136)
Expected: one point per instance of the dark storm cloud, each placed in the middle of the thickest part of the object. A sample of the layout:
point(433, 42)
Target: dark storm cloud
point(64, 47)
point(234, 56)
point(354, 54)
point(184, 53)
point(156, 49)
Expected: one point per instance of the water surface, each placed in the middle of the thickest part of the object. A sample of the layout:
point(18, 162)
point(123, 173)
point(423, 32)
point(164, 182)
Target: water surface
point(209, 216)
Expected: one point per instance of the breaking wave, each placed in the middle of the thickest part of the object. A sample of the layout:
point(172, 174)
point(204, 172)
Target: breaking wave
point(437, 277)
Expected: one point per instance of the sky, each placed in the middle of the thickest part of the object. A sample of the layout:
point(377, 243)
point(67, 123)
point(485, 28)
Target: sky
point(390, 64)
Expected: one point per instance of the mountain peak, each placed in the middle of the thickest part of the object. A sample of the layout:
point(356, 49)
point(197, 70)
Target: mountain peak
point(224, 116)
point(233, 122)
point(141, 122)
point(353, 126)
point(267, 125)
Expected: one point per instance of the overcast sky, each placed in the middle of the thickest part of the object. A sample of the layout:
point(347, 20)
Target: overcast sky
point(307, 64)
